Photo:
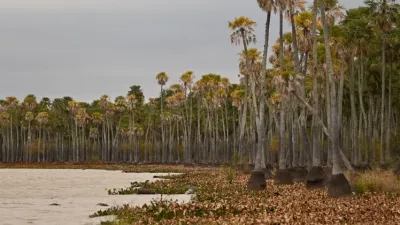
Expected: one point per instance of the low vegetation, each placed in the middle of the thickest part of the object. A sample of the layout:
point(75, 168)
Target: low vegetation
point(377, 181)
point(222, 198)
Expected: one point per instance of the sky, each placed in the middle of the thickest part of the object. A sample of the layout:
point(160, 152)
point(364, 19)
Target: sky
point(87, 48)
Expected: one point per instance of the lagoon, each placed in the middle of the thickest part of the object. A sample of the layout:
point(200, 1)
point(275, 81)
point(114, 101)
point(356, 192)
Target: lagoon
point(66, 196)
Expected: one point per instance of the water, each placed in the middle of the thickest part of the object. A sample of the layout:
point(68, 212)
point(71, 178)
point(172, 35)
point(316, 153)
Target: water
point(26, 195)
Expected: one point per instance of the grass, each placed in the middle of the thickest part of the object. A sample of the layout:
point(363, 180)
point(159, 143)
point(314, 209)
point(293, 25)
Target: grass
point(377, 181)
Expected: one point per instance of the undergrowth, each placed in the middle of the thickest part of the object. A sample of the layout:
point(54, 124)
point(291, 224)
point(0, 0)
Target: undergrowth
point(377, 181)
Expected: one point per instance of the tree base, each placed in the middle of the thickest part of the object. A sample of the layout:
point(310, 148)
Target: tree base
point(268, 173)
point(269, 166)
point(316, 178)
point(190, 165)
point(339, 186)
point(397, 169)
point(283, 177)
point(362, 167)
point(298, 174)
point(246, 168)
point(257, 181)
point(385, 166)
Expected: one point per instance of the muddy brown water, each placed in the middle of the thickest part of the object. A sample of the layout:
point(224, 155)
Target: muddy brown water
point(27, 195)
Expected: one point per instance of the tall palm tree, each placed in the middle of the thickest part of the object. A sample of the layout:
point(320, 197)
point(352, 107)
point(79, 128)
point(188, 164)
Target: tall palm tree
point(162, 79)
point(97, 120)
point(4, 123)
point(269, 6)
point(339, 184)
point(73, 108)
point(120, 108)
point(384, 17)
point(187, 79)
point(12, 104)
point(282, 5)
point(29, 104)
point(29, 116)
point(243, 33)
point(42, 118)
point(131, 103)
point(81, 119)
point(316, 176)
point(139, 132)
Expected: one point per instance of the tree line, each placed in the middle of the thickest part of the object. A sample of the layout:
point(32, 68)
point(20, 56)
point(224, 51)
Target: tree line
point(329, 97)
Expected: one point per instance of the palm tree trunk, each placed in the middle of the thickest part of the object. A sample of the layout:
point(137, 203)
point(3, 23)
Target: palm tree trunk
point(146, 150)
point(38, 151)
point(260, 121)
point(389, 113)
point(337, 169)
point(315, 131)
point(164, 156)
point(383, 77)
point(354, 123)
point(295, 141)
point(282, 152)
point(305, 145)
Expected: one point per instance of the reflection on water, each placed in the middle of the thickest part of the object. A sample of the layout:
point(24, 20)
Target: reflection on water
point(59, 196)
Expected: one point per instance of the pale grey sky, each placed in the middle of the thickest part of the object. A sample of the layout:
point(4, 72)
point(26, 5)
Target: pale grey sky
point(86, 48)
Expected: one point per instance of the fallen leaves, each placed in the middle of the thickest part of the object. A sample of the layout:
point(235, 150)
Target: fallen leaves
point(224, 201)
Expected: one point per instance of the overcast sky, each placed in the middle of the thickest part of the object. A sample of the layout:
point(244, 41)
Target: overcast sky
point(86, 48)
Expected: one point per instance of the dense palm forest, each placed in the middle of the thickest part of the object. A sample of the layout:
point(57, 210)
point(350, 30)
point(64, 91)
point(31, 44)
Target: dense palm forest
point(325, 93)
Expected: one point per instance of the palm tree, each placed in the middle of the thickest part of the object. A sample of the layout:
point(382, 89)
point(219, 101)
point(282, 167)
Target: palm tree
point(162, 79)
point(97, 120)
point(187, 79)
point(139, 132)
point(384, 17)
point(120, 108)
point(94, 135)
point(316, 176)
point(11, 104)
point(81, 120)
point(243, 32)
point(131, 103)
point(338, 185)
point(29, 104)
point(73, 108)
point(282, 5)
point(42, 118)
point(29, 116)
point(4, 122)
